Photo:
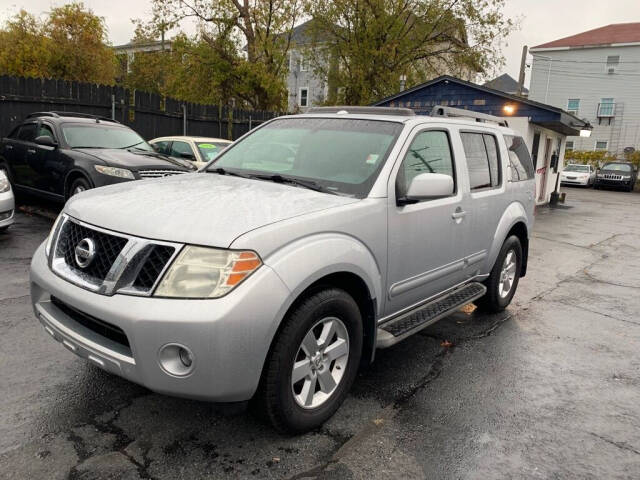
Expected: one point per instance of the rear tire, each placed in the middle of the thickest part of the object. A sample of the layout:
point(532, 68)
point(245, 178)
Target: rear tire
point(503, 280)
point(297, 406)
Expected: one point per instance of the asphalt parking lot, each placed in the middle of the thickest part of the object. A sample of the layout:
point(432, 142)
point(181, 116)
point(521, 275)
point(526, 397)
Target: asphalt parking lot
point(548, 389)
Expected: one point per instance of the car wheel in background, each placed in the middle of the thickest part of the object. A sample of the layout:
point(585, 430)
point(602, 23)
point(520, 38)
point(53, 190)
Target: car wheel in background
point(79, 185)
point(503, 279)
point(313, 361)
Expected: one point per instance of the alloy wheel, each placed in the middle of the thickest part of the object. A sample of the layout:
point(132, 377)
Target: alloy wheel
point(507, 274)
point(320, 363)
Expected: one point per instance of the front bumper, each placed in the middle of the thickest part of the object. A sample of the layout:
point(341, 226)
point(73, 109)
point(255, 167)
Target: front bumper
point(229, 336)
point(603, 182)
point(7, 208)
point(574, 181)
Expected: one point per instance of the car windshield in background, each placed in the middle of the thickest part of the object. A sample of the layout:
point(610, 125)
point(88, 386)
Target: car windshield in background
point(343, 156)
point(577, 168)
point(102, 136)
point(210, 150)
point(617, 167)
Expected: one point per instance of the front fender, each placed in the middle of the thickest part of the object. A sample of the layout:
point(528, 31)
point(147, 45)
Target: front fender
point(303, 262)
point(515, 213)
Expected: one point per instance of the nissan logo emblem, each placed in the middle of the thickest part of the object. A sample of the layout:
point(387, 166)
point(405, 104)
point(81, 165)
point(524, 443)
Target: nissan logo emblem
point(84, 252)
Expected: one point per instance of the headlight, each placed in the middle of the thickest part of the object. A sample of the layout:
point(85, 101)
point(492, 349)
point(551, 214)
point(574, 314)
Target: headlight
point(200, 272)
point(52, 234)
point(5, 186)
point(115, 172)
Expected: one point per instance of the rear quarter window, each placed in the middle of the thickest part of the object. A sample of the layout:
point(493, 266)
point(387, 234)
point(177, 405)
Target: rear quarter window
point(520, 163)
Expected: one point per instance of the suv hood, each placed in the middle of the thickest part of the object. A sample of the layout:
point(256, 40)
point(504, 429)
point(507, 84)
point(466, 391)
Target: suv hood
point(133, 159)
point(200, 208)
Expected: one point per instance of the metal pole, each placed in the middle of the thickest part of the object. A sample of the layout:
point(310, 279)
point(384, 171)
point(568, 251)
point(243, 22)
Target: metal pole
point(113, 107)
point(249, 122)
point(184, 119)
point(523, 63)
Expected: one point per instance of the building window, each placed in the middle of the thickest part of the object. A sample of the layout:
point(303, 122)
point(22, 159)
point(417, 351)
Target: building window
point(569, 145)
point(304, 64)
point(573, 105)
point(612, 63)
point(606, 107)
point(304, 97)
point(601, 146)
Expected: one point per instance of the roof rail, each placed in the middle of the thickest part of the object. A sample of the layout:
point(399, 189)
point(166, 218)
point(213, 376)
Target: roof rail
point(42, 114)
point(404, 112)
point(441, 111)
point(58, 114)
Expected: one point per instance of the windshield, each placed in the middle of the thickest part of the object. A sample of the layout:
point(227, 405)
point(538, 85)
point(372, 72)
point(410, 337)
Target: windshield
point(99, 135)
point(618, 167)
point(342, 155)
point(577, 168)
point(210, 150)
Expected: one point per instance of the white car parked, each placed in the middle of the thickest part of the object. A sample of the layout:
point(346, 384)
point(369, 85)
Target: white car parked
point(7, 203)
point(200, 150)
point(576, 174)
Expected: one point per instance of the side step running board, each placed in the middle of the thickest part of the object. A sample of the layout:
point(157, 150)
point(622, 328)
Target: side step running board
point(400, 328)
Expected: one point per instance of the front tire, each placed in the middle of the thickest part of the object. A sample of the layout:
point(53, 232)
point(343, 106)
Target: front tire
point(79, 185)
point(313, 361)
point(503, 280)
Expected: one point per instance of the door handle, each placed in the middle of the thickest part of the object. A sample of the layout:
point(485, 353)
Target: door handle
point(458, 214)
point(31, 150)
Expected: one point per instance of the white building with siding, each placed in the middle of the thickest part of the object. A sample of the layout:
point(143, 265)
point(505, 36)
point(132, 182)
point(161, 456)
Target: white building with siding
point(596, 76)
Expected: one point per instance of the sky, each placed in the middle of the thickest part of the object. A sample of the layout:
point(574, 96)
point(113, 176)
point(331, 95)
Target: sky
point(540, 20)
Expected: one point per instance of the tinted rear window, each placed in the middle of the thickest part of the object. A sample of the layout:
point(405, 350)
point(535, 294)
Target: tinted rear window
point(483, 161)
point(520, 164)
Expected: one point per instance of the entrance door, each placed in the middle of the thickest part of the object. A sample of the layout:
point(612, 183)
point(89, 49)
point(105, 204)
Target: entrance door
point(425, 254)
point(545, 170)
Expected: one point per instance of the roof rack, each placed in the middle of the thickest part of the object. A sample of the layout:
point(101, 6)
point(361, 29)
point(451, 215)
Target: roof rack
point(58, 114)
point(403, 112)
point(441, 111)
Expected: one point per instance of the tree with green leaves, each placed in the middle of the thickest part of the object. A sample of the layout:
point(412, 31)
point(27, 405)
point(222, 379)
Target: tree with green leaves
point(375, 42)
point(252, 37)
point(71, 44)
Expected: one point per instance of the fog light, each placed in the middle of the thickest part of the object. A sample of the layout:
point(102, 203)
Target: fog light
point(176, 359)
point(185, 357)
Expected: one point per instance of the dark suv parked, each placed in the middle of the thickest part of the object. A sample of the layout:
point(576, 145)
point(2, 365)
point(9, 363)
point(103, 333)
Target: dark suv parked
point(617, 175)
point(59, 154)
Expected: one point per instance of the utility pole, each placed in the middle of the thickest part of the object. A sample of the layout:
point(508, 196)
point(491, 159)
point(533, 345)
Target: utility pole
point(523, 64)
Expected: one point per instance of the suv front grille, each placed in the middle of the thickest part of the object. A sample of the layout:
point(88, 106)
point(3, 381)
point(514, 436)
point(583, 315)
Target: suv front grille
point(107, 330)
point(108, 247)
point(157, 173)
point(153, 267)
point(120, 264)
point(611, 176)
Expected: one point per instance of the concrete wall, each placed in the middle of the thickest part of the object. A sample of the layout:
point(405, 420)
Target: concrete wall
point(582, 73)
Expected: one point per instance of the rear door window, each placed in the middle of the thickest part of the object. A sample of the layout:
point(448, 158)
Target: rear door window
point(520, 163)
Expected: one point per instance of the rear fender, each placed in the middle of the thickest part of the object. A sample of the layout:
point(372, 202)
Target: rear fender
point(514, 214)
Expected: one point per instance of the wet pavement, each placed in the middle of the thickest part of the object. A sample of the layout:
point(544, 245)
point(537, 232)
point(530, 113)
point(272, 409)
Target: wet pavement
point(548, 389)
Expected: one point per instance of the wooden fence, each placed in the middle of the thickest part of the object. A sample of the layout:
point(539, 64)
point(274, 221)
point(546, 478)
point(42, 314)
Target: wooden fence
point(149, 114)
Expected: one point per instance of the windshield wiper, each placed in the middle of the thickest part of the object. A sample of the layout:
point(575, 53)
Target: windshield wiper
point(310, 184)
point(222, 171)
point(87, 146)
point(132, 146)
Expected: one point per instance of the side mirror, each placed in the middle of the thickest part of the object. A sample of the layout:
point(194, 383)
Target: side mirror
point(46, 141)
point(427, 185)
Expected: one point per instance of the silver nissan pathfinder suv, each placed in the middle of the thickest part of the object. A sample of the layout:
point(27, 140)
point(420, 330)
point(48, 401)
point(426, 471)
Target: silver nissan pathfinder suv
point(279, 268)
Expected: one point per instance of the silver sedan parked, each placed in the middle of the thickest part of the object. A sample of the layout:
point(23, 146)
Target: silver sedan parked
point(7, 203)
